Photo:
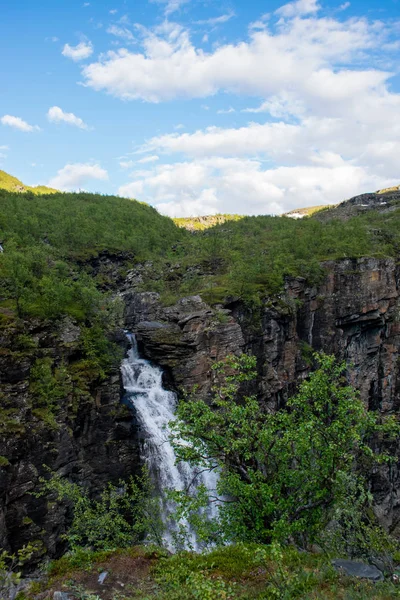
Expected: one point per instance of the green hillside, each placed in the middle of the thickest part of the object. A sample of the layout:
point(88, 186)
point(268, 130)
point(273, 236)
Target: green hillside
point(12, 184)
point(50, 240)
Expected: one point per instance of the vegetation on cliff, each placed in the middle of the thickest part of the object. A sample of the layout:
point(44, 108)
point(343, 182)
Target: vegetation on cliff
point(50, 240)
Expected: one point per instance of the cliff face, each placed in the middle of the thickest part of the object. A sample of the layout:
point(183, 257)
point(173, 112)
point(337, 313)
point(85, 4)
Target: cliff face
point(354, 313)
point(92, 440)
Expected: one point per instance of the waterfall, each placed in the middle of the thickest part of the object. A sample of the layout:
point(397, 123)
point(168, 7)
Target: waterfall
point(155, 409)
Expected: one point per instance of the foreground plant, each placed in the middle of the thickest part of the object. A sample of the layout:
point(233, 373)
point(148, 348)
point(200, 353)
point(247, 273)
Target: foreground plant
point(283, 475)
point(120, 517)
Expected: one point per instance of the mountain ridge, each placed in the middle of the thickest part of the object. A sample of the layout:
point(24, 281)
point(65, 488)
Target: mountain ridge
point(12, 184)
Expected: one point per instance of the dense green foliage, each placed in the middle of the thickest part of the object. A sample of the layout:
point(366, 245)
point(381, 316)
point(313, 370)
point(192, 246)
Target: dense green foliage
point(121, 516)
point(80, 224)
point(45, 239)
point(283, 475)
point(250, 258)
point(49, 239)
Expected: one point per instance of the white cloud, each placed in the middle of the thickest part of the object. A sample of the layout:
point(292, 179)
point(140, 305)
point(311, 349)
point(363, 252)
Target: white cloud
point(73, 176)
point(148, 159)
point(18, 123)
point(171, 5)
point(226, 111)
point(217, 20)
point(127, 164)
point(344, 6)
point(113, 11)
point(4, 148)
point(80, 52)
point(211, 185)
point(170, 66)
point(332, 119)
point(121, 32)
point(298, 8)
point(56, 115)
point(130, 164)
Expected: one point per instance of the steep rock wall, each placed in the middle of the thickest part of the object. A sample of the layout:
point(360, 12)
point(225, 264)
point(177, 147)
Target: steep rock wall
point(92, 442)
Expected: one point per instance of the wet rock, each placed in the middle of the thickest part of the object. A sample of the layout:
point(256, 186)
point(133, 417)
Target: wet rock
point(358, 569)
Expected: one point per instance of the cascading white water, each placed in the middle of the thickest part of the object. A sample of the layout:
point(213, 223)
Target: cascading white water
point(155, 408)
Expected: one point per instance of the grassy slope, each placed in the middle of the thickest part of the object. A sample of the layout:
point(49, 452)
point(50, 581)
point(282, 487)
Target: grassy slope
point(12, 184)
point(49, 240)
point(250, 258)
point(243, 572)
point(79, 223)
point(247, 257)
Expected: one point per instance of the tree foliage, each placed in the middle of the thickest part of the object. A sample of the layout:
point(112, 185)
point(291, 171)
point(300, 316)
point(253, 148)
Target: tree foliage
point(282, 474)
point(121, 516)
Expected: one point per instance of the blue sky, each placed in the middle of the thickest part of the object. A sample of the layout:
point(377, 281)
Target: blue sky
point(200, 107)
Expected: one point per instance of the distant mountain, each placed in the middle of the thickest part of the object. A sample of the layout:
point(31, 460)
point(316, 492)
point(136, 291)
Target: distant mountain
point(12, 184)
point(299, 213)
point(200, 223)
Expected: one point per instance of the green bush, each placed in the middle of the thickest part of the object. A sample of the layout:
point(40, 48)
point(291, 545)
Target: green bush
point(287, 474)
point(123, 515)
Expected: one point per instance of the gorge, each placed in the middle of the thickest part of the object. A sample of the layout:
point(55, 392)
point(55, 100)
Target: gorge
point(352, 310)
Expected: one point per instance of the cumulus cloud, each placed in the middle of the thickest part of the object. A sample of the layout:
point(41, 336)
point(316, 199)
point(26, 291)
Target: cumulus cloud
point(127, 164)
point(170, 66)
point(18, 123)
point(73, 176)
point(79, 52)
point(212, 185)
point(226, 111)
point(148, 159)
point(273, 167)
point(56, 115)
point(328, 120)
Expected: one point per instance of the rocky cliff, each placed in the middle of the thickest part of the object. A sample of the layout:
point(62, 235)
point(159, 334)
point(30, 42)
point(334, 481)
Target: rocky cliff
point(354, 313)
point(90, 438)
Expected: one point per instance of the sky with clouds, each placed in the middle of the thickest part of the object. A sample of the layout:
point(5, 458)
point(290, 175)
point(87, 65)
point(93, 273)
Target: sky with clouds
point(199, 107)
